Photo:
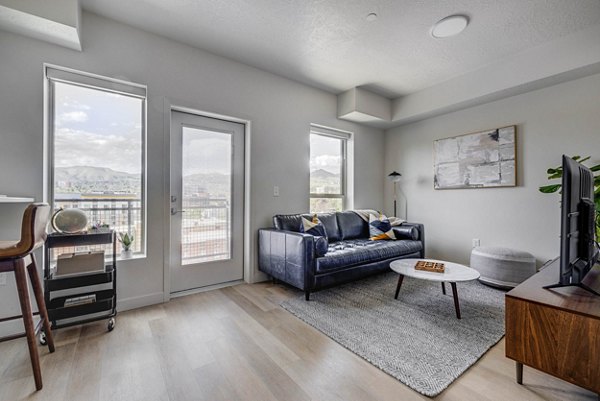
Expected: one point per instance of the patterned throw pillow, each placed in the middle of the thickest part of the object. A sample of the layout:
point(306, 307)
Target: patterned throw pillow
point(380, 228)
point(314, 227)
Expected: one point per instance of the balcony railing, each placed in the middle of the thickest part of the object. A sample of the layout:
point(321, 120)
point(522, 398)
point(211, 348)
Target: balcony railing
point(205, 231)
point(121, 215)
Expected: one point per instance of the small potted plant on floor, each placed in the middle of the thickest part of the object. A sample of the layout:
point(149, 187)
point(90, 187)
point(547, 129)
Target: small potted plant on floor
point(126, 241)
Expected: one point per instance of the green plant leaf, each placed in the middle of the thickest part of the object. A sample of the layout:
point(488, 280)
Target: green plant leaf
point(548, 189)
point(126, 239)
point(584, 159)
point(556, 175)
point(556, 172)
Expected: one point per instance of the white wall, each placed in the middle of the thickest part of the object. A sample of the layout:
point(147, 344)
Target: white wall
point(560, 119)
point(280, 110)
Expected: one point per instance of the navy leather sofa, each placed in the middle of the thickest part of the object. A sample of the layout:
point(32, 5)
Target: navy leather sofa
point(290, 256)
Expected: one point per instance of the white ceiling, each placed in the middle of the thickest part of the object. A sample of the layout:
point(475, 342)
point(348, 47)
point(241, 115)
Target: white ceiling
point(330, 45)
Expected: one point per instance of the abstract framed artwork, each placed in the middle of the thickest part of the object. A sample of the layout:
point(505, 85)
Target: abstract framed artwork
point(479, 160)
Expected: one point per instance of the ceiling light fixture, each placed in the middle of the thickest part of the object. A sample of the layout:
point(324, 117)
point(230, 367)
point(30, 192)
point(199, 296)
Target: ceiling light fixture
point(371, 17)
point(449, 26)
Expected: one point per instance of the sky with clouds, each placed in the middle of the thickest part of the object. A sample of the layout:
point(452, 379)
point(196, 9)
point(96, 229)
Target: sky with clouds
point(205, 152)
point(325, 153)
point(97, 128)
point(103, 129)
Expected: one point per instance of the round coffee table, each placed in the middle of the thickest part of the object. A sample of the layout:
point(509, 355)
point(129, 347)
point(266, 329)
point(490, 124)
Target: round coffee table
point(453, 273)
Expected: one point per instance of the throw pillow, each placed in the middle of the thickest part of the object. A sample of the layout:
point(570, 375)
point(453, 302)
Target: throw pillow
point(380, 228)
point(314, 227)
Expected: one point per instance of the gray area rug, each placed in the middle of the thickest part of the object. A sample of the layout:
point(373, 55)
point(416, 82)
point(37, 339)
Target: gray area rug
point(416, 338)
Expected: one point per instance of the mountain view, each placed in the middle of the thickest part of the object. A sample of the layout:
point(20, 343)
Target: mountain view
point(324, 182)
point(323, 174)
point(217, 185)
point(87, 179)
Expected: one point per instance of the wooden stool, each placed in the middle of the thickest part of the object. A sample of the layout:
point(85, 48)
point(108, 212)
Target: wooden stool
point(17, 256)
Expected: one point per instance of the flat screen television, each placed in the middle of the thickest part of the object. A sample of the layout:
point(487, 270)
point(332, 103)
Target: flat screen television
point(578, 247)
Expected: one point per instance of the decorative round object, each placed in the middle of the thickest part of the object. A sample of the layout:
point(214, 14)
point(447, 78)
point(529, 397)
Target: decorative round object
point(69, 221)
point(502, 267)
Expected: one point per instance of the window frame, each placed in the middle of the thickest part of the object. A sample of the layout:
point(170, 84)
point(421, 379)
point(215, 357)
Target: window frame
point(53, 74)
point(344, 138)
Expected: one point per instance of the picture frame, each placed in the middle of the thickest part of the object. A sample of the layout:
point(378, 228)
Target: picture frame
point(483, 159)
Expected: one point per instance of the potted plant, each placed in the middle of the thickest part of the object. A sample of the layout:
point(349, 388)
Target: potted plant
point(556, 173)
point(126, 241)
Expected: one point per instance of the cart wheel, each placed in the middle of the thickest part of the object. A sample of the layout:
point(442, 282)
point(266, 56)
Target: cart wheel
point(42, 338)
point(111, 324)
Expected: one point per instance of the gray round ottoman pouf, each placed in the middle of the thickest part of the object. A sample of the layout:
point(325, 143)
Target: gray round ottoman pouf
point(502, 267)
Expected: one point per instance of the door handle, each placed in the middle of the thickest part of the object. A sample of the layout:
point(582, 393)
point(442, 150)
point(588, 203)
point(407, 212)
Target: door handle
point(175, 211)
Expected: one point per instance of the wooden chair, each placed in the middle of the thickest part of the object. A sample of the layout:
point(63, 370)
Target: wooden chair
point(17, 256)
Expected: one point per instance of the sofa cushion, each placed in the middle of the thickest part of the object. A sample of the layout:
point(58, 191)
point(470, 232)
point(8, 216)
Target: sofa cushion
point(329, 220)
point(292, 222)
point(380, 228)
point(288, 222)
point(349, 253)
point(352, 225)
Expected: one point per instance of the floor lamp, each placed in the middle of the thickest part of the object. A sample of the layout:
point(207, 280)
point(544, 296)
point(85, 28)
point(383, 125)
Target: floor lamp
point(395, 178)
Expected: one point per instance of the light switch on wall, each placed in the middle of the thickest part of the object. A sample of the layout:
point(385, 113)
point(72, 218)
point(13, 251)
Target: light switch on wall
point(276, 190)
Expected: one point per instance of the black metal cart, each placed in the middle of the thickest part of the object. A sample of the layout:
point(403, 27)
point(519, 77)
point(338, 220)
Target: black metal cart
point(106, 299)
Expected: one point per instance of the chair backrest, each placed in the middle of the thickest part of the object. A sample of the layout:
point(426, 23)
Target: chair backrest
point(33, 229)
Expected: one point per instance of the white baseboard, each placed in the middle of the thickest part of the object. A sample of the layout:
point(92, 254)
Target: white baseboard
point(124, 304)
point(207, 288)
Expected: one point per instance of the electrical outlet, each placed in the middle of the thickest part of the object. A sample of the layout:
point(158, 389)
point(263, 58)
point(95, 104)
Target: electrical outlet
point(2, 278)
point(476, 242)
point(276, 190)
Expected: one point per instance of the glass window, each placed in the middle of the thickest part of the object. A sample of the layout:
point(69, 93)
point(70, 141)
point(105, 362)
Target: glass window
point(327, 173)
point(206, 196)
point(97, 154)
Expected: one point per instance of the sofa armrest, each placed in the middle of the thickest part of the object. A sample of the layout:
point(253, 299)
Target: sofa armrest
point(421, 229)
point(287, 256)
point(408, 232)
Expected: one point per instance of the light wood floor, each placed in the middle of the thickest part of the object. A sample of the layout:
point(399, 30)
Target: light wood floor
point(231, 344)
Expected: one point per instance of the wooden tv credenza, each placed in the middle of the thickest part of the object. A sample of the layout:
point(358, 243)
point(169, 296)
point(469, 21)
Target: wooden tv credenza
point(556, 331)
